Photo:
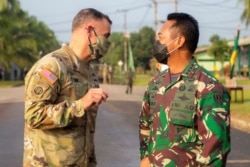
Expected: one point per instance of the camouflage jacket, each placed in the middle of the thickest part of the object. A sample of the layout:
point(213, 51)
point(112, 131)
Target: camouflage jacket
point(185, 122)
point(58, 132)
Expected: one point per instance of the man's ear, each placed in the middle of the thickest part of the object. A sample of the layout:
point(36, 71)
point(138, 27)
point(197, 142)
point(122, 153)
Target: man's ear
point(181, 40)
point(89, 29)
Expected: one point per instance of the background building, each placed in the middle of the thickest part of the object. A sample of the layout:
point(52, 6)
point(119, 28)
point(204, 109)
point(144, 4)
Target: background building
point(242, 64)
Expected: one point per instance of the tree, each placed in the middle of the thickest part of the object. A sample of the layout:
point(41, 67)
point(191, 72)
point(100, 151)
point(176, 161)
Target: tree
point(219, 49)
point(245, 16)
point(142, 43)
point(3, 4)
point(115, 52)
point(9, 26)
point(22, 37)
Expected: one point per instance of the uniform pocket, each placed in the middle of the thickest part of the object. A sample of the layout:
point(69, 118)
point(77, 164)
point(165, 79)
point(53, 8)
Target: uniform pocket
point(182, 117)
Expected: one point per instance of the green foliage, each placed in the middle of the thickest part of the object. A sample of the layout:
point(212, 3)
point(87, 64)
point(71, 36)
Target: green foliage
point(3, 4)
point(245, 16)
point(115, 52)
point(219, 48)
point(22, 37)
point(141, 44)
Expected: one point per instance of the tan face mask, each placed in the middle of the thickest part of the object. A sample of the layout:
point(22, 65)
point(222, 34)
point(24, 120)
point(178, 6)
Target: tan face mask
point(100, 47)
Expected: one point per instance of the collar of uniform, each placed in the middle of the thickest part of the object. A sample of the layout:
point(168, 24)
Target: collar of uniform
point(77, 63)
point(190, 69)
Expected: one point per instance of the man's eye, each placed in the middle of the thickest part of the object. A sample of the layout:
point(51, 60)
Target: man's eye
point(106, 35)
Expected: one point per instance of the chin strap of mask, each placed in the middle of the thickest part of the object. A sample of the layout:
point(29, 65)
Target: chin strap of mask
point(91, 45)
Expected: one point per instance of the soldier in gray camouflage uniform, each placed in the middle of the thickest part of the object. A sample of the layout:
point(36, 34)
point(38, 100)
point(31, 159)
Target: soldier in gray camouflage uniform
point(185, 116)
point(62, 95)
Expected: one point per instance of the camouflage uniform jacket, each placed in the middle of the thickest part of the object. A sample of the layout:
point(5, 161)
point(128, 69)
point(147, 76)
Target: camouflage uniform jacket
point(58, 131)
point(185, 122)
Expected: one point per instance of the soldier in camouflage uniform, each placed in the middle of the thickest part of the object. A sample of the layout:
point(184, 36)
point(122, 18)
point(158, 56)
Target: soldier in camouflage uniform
point(62, 95)
point(185, 117)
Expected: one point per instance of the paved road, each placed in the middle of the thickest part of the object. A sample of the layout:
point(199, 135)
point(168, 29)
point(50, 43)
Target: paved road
point(116, 134)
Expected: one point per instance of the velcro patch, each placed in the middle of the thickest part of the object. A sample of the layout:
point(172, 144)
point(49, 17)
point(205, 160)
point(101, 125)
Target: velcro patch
point(218, 98)
point(49, 76)
point(38, 90)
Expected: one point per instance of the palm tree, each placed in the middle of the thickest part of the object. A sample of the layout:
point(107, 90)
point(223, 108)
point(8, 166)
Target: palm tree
point(3, 4)
point(10, 19)
point(245, 16)
point(219, 49)
point(22, 37)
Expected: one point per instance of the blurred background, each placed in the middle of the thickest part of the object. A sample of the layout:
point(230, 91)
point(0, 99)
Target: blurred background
point(31, 29)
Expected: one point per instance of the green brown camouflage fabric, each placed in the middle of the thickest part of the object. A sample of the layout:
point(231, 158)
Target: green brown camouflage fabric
point(185, 122)
point(58, 132)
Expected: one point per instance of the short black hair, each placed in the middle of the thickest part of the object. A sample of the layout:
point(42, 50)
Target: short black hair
point(86, 15)
point(188, 27)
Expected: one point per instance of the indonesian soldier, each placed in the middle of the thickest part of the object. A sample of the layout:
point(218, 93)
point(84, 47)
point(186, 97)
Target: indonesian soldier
point(185, 116)
point(62, 95)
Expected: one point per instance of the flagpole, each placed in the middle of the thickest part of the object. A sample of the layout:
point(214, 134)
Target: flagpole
point(234, 53)
point(130, 57)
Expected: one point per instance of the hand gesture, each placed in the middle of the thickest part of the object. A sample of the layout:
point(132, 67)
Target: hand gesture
point(95, 96)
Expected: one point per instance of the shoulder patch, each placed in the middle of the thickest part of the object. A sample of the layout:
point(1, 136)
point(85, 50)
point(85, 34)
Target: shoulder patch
point(49, 76)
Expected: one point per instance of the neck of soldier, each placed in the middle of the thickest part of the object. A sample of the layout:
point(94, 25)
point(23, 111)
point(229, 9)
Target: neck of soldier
point(80, 47)
point(178, 60)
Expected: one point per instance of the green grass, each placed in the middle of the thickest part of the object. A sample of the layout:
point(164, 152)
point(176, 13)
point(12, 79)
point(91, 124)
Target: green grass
point(241, 109)
point(139, 80)
point(4, 84)
point(142, 80)
point(240, 81)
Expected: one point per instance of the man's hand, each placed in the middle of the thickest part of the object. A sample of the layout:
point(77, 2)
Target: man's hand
point(145, 162)
point(95, 96)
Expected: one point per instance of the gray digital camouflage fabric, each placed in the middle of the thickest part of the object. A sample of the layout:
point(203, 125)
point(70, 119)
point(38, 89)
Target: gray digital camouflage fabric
point(185, 122)
point(58, 132)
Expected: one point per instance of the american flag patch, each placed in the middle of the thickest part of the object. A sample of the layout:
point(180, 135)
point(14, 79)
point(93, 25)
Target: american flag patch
point(49, 76)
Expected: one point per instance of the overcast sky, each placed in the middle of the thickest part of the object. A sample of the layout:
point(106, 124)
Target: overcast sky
point(220, 17)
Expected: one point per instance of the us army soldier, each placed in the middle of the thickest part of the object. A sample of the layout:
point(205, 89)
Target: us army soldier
point(62, 95)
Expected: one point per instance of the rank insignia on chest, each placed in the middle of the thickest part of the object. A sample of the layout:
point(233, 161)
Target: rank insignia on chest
point(49, 76)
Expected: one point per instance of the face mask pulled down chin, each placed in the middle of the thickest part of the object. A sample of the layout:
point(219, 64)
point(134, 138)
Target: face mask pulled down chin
point(99, 48)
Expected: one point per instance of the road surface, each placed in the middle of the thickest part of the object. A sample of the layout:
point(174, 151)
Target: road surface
point(117, 143)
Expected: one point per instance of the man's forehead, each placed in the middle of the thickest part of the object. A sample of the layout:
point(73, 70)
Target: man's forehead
point(166, 27)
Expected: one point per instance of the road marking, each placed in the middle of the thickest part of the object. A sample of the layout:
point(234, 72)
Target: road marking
point(240, 161)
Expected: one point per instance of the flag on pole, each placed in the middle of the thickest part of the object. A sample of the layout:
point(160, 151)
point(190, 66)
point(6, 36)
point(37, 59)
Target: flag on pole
point(130, 57)
point(234, 53)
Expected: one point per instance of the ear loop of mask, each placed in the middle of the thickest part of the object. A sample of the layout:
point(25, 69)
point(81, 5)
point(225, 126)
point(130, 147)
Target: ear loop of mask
point(170, 43)
point(90, 28)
